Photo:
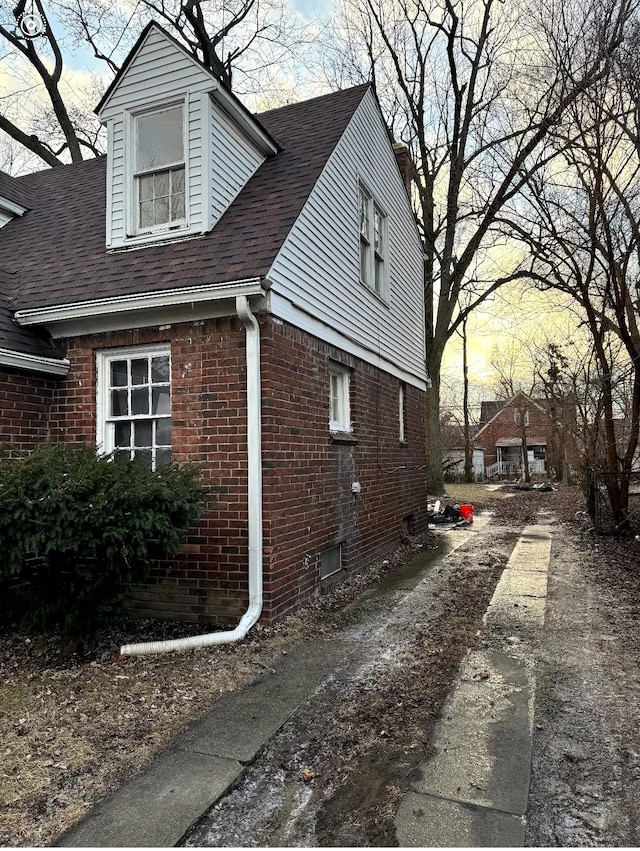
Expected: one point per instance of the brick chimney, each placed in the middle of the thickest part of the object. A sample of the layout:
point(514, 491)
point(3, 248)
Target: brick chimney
point(405, 164)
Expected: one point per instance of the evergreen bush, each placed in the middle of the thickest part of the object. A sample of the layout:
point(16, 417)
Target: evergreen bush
point(86, 525)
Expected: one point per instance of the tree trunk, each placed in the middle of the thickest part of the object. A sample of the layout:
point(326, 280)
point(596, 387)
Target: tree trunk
point(468, 448)
point(434, 475)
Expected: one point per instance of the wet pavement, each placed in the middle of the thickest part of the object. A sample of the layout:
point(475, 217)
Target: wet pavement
point(472, 792)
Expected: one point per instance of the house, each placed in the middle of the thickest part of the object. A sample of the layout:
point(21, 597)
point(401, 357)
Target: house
point(241, 291)
point(622, 429)
point(505, 426)
point(453, 450)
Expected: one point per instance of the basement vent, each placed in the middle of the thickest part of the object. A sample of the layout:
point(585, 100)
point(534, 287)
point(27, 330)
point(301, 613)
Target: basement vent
point(409, 525)
point(331, 561)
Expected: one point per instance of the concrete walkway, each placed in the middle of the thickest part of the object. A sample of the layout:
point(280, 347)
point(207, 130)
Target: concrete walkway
point(472, 793)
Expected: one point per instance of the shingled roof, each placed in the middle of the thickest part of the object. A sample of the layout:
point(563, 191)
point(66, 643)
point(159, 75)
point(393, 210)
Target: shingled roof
point(13, 190)
point(13, 337)
point(57, 250)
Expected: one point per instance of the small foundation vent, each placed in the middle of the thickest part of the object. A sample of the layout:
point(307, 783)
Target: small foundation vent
point(331, 561)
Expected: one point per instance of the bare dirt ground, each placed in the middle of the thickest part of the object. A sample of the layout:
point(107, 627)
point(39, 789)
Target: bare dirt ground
point(586, 760)
point(74, 731)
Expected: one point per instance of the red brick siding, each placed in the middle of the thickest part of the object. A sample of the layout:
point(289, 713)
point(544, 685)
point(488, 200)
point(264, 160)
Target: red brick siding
point(25, 403)
point(308, 503)
point(505, 426)
point(308, 476)
point(207, 580)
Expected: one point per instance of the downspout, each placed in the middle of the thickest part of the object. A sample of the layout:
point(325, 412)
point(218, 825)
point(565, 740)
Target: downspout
point(254, 495)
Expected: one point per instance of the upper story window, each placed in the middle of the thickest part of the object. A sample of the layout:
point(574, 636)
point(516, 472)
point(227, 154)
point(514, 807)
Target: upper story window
point(159, 168)
point(373, 243)
point(134, 403)
point(521, 417)
point(365, 235)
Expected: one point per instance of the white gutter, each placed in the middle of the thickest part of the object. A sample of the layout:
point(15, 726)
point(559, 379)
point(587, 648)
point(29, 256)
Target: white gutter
point(11, 207)
point(254, 496)
point(18, 360)
point(139, 301)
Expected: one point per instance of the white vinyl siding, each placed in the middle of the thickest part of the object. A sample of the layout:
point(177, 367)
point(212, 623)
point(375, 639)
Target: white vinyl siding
point(158, 72)
point(219, 160)
point(316, 275)
point(234, 160)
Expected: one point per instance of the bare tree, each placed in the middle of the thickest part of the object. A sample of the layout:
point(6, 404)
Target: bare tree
point(584, 238)
point(473, 89)
point(244, 37)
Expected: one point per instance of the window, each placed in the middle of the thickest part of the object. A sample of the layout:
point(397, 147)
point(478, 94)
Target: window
point(159, 168)
point(378, 250)
point(365, 236)
point(521, 417)
point(402, 435)
point(339, 408)
point(134, 404)
point(373, 243)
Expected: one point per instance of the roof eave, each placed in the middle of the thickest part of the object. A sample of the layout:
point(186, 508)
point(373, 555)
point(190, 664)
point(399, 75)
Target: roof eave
point(11, 207)
point(245, 120)
point(32, 363)
point(57, 317)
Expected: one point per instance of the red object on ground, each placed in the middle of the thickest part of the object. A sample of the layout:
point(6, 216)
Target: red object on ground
point(466, 512)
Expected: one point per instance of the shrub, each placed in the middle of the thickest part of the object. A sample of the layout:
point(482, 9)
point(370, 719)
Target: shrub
point(88, 524)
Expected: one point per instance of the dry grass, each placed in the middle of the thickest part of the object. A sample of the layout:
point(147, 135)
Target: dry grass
point(74, 730)
point(72, 734)
point(475, 494)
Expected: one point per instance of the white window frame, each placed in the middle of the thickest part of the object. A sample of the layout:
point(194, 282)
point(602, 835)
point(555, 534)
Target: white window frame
point(339, 399)
point(105, 422)
point(518, 416)
point(133, 174)
point(402, 413)
point(373, 243)
point(365, 205)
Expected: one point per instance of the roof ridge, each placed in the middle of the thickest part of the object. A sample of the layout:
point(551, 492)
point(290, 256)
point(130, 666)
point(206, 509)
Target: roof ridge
point(337, 93)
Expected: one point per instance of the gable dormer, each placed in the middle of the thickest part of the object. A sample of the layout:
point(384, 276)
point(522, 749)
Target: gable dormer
point(179, 145)
point(13, 199)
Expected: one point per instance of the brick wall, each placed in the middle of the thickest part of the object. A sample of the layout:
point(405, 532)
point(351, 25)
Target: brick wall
point(308, 475)
point(207, 580)
point(25, 402)
point(308, 502)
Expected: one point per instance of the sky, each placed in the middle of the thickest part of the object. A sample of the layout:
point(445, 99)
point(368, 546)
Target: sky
point(496, 322)
point(516, 314)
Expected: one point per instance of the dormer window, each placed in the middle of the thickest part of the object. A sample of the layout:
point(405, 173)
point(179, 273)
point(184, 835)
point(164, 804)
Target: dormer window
point(159, 169)
point(180, 146)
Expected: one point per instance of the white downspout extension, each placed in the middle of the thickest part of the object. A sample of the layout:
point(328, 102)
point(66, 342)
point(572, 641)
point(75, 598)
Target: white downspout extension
point(254, 493)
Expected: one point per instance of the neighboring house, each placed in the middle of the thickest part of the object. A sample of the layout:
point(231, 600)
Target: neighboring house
point(241, 291)
point(622, 431)
point(453, 448)
point(502, 426)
